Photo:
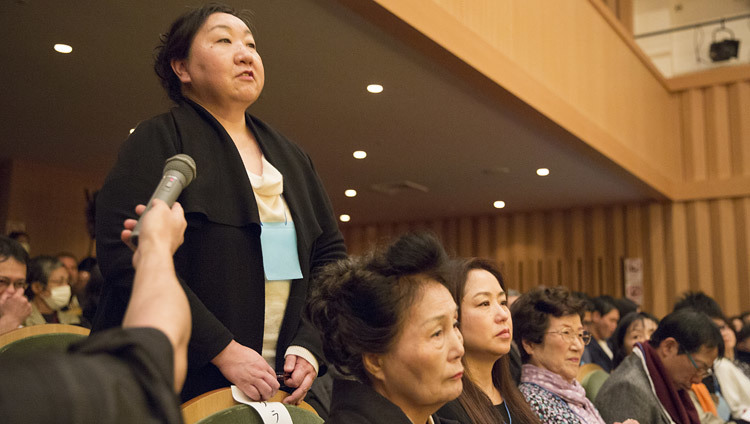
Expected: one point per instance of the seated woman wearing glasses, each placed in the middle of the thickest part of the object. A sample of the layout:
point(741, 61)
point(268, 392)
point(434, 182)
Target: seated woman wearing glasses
point(490, 395)
point(388, 321)
point(551, 339)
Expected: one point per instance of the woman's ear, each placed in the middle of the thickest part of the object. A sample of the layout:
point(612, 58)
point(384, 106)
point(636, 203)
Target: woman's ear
point(528, 346)
point(179, 67)
point(37, 288)
point(373, 363)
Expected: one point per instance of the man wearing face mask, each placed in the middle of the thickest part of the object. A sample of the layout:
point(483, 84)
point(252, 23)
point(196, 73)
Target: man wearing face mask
point(49, 291)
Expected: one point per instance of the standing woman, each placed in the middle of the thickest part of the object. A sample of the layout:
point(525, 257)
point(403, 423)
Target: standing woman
point(255, 192)
point(490, 395)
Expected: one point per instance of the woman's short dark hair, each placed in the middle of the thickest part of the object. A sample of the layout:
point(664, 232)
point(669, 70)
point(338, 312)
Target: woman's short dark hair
point(38, 270)
point(175, 43)
point(691, 328)
point(618, 337)
point(531, 313)
point(11, 249)
point(359, 304)
point(475, 402)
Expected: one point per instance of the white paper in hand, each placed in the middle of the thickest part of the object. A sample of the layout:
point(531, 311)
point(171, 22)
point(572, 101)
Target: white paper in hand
point(270, 412)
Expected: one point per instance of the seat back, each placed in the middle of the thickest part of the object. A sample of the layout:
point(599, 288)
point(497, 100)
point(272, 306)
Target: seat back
point(41, 338)
point(219, 407)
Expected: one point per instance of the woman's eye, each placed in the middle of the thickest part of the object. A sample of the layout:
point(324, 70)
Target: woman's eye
point(437, 333)
point(485, 303)
point(225, 40)
point(456, 324)
point(251, 45)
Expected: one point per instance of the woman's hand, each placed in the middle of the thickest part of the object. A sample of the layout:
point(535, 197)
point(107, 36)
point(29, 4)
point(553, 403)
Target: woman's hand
point(246, 369)
point(301, 375)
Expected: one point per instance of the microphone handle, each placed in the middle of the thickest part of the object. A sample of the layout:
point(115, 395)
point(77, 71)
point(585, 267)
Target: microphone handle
point(168, 190)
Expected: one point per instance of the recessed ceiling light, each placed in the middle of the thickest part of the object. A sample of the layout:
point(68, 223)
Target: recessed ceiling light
point(375, 88)
point(542, 172)
point(359, 154)
point(131, 130)
point(345, 218)
point(63, 48)
point(499, 204)
point(350, 193)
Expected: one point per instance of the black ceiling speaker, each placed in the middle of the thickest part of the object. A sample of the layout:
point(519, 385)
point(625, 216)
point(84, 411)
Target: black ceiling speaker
point(724, 49)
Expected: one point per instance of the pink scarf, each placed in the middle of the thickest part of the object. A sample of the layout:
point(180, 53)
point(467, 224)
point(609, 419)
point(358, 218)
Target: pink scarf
point(572, 393)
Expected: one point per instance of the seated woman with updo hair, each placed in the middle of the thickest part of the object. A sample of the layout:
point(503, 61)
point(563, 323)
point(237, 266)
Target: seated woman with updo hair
point(388, 321)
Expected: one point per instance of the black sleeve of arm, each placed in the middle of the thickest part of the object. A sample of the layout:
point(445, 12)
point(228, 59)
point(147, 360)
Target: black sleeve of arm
point(328, 247)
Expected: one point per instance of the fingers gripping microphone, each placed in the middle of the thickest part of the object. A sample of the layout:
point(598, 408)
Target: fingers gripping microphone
point(179, 171)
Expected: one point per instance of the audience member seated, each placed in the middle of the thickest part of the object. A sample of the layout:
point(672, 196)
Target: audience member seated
point(388, 321)
point(742, 349)
point(652, 383)
point(49, 292)
point(14, 307)
point(625, 306)
point(123, 375)
point(603, 323)
point(635, 327)
point(733, 384)
point(490, 395)
point(70, 262)
point(23, 238)
point(551, 338)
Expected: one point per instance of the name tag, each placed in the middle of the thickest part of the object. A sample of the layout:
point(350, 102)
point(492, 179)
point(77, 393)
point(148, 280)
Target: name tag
point(270, 412)
point(279, 244)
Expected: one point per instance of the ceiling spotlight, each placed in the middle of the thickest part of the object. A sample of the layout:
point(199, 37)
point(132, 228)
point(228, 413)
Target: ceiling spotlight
point(345, 218)
point(499, 204)
point(131, 130)
point(350, 193)
point(542, 172)
point(359, 154)
point(375, 88)
point(63, 48)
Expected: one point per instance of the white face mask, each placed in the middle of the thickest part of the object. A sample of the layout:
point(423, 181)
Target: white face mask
point(59, 297)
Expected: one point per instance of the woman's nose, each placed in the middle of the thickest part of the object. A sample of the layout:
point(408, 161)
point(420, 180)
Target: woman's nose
point(501, 313)
point(457, 344)
point(244, 55)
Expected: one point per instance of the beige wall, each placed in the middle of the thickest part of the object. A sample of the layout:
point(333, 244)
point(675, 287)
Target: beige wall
point(49, 202)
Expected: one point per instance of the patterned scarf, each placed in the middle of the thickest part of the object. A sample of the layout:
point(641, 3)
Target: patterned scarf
point(572, 393)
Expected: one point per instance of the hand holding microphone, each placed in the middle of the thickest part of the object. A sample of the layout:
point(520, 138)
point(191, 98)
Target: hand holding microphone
point(179, 171)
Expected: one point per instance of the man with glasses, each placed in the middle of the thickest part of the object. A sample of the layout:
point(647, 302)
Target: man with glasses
point(652, 384)
point(14, 306)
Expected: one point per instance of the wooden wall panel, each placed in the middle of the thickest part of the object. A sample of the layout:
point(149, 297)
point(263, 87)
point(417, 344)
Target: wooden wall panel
point(697, 245)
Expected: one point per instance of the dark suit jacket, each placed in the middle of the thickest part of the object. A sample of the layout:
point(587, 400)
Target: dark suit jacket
point(220, 262)
point(355, 403)
point(594, 354)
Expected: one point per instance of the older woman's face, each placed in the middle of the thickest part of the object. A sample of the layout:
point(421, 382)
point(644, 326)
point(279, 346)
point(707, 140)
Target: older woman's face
point(485, 319)
point(638, 332)
point(559, 353)
point(223, 67)
point(423, 369)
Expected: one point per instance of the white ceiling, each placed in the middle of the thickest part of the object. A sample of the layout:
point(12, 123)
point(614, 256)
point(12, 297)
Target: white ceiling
point(430, 125)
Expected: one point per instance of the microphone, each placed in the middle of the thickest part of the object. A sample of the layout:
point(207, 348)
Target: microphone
point(179, 171)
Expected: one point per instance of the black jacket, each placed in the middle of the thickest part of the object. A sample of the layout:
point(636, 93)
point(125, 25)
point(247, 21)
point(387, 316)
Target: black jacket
point(353, 403)
point(220, 262)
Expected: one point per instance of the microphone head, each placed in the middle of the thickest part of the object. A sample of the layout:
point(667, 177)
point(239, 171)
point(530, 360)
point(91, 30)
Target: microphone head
point(183, 164)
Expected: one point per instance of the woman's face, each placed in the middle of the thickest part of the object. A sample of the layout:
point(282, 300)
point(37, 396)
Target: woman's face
point(559, 353)
point(423, 368)
point(638, 332)
point(223, 66)
point(730, 339)
point(59, 277)
point(485, 319)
